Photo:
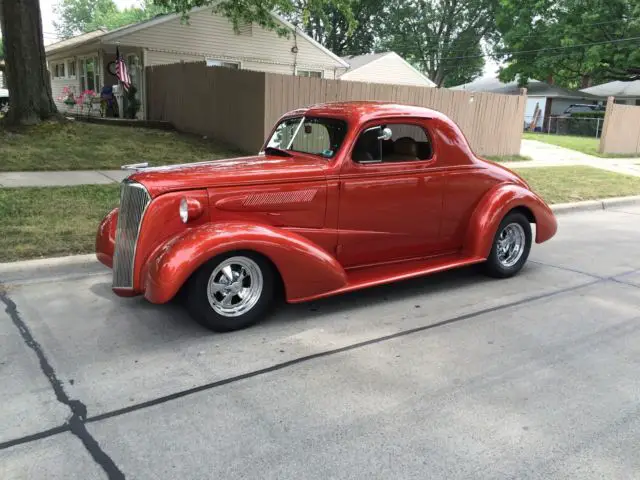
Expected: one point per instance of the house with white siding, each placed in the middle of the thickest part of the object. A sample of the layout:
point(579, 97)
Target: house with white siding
point(550, 100)
point(385, 67)
point(86, 62)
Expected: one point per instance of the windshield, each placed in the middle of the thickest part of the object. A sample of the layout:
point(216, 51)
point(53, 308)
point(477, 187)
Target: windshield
point(313, 135)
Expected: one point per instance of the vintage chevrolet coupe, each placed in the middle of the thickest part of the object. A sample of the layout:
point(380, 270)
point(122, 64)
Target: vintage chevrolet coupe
point(342, 196)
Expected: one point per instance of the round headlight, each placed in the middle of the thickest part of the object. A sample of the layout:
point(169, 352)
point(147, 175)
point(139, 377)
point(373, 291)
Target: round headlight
point(184, 210)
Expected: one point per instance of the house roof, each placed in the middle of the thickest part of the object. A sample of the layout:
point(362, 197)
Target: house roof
point(358, 61)
point(535, 88)
point(109, 36)
point(615, 89)
point(75, 41)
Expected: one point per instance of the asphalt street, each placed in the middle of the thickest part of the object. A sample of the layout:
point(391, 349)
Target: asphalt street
point(450, 376)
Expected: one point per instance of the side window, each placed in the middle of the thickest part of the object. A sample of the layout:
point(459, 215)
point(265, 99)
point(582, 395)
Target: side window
point(397, 142)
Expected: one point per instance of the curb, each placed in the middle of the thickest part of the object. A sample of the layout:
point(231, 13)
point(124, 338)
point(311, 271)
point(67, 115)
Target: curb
point(28, 270)
point(87, 264)
point(590, 205)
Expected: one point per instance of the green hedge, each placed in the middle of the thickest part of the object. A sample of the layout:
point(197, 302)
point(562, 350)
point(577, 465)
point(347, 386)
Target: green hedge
point(588, 114)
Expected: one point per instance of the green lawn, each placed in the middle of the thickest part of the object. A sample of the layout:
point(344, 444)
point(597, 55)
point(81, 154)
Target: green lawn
point(573, 184)
point(48, 222)
point(509, 158)
point(588, 145)
point(86, 146)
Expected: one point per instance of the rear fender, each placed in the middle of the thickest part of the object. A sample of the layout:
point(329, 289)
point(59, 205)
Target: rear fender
point(494, 206)
point(306, 269)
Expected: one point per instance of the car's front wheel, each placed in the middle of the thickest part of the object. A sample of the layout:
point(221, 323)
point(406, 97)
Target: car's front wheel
point(231, 291)
point(511, 246)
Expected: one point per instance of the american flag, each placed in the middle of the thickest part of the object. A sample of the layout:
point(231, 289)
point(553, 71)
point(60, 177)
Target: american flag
point(121, 70)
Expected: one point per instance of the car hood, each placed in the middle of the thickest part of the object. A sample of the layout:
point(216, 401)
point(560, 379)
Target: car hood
point(257, 169)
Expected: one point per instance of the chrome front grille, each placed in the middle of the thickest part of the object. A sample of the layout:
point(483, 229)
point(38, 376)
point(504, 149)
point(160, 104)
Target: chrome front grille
point(134, 200)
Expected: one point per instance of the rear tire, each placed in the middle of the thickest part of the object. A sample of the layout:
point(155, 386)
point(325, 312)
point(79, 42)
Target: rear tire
point(511, 246)
point(231, 292)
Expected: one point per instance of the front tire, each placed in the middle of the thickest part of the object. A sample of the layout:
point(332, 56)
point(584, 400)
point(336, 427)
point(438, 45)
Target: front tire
point(231, 292)
point(511, 246)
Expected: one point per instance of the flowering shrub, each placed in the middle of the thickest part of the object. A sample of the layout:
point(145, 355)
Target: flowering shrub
point(68, 97)
point(85, 98)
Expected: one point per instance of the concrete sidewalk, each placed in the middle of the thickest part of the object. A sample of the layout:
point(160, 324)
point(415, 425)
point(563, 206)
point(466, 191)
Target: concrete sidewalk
point(62, 178)
point(547, 155)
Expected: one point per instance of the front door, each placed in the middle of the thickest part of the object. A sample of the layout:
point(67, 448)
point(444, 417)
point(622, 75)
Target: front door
point(390, 195)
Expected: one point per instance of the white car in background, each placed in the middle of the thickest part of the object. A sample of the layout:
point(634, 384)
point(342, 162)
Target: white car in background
point(4, 100)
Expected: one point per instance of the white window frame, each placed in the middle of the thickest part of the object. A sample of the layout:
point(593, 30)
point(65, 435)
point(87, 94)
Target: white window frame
point(221, 61)
point(54, 69)
point(97, 80)
point(308, 71)
point(67, 62)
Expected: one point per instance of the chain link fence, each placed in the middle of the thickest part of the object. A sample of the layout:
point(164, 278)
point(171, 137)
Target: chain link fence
point(578, 125)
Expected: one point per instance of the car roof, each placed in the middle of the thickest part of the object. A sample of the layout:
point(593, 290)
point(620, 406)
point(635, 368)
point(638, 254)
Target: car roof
point(364, 111)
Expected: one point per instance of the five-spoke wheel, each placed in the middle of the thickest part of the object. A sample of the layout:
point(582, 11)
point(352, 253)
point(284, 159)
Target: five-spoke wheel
point(511, 246)
point(232, 291)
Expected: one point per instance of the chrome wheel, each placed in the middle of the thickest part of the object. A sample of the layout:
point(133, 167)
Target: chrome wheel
point(511, 244)
point(235, 286)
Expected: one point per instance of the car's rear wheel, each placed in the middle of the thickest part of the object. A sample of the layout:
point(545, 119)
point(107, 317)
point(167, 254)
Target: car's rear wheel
point(231, 292)
point(511, 246)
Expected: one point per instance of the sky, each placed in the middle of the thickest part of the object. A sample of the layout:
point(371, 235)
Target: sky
point(46, 8)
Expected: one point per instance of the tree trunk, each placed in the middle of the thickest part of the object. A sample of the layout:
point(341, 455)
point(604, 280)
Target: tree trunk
point(28, 81)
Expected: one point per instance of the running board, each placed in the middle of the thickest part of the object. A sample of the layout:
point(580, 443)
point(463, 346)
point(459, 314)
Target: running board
point(366, 277)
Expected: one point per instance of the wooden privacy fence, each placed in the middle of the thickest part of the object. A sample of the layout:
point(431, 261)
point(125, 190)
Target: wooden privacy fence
point(240, 107)
point(621, 129)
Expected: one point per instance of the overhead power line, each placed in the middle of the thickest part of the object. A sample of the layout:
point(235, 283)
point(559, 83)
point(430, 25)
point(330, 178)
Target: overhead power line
point(566, 47)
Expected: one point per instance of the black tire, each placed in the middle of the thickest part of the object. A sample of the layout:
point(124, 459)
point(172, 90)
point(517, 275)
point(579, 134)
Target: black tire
point(203, 311)
point(494, 267)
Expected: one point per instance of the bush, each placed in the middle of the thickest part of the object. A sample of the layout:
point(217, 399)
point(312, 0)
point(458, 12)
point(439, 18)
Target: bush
point(598, 114)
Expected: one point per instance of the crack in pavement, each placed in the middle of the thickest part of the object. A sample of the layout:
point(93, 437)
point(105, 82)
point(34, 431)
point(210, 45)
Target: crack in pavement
point(295, 361)
point(75, 423)
point(283, 365)
point(568, 269)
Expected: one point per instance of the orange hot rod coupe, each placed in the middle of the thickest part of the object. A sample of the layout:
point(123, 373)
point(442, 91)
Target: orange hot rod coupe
point(342, 196)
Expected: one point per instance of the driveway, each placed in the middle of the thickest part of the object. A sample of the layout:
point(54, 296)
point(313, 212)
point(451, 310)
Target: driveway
point(548, 155)
point(452, 376)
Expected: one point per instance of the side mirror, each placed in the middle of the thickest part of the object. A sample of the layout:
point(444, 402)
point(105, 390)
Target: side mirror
point(386, 134)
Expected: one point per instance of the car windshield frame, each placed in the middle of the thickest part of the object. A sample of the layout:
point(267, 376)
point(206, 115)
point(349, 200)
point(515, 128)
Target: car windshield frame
point(299, 122)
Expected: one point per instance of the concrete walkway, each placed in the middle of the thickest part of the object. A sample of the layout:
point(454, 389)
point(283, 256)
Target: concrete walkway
point(61, 179)
point(546, 155)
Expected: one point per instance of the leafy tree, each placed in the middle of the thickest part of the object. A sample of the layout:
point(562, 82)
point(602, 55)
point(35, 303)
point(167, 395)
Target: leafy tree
point(1, 50)
point(26, 73)
point(440, 37)
point(259, 11)
point(81, 16)
point(350, 32)
point(572, 43)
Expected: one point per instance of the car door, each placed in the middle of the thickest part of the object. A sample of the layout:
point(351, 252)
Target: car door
point(390, 195)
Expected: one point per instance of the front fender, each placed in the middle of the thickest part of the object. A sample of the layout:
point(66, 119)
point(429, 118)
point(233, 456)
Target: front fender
point(305, 268)
point(493, 207)
point(106, 238)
